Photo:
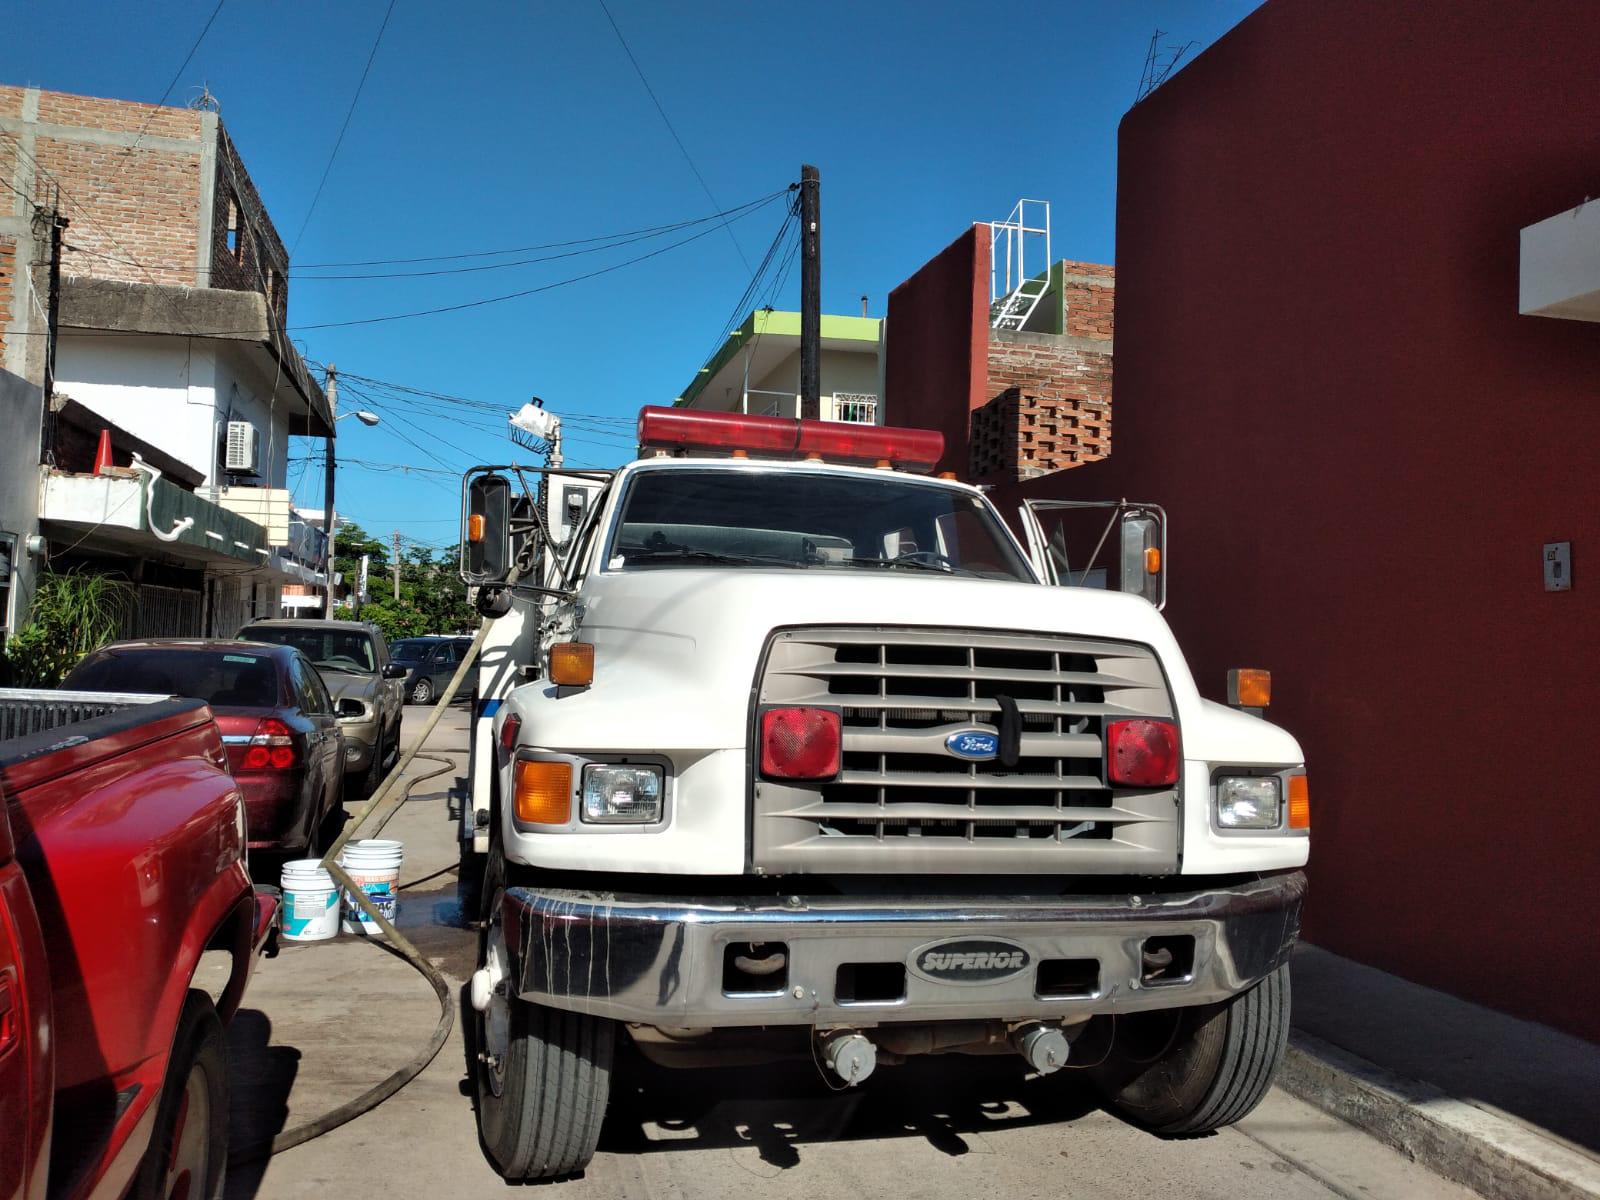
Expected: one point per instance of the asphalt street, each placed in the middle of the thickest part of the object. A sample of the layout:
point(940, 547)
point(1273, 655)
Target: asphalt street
point(322, 1022)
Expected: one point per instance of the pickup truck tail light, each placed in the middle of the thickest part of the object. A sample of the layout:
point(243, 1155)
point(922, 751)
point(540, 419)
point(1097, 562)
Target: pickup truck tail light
point(800, 743)
point(1142, 753)
point(271, 748)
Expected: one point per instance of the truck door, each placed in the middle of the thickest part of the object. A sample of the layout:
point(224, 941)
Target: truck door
point(1116, 544)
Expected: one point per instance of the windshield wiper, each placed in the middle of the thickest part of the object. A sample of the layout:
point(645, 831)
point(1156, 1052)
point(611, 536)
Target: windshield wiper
point(910, 564)
point(632, 557)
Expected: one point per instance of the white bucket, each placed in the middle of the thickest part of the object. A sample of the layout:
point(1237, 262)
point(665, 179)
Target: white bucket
point(374, 866)
point(310, 902)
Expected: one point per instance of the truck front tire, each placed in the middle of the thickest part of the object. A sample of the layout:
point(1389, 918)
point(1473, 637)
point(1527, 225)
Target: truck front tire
point(543, 1076)
point(1198, 1069)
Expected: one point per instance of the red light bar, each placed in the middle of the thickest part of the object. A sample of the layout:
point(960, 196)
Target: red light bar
point(842, 440)
point(838, 441)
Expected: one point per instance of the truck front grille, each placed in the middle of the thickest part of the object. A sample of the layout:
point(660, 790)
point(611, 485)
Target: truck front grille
point(904, 804)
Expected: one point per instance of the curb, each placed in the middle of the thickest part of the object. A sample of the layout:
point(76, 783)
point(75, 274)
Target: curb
point(1493, 1156)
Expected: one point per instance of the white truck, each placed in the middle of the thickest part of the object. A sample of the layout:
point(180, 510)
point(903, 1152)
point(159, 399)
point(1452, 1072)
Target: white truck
point(784, 749)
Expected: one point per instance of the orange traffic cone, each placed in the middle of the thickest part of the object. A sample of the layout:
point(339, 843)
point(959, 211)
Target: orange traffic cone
point(102, 455)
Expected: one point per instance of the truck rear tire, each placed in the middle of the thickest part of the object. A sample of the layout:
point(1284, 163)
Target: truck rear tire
point(188, 1154)
point(543, 1076)
point(1217, 1062)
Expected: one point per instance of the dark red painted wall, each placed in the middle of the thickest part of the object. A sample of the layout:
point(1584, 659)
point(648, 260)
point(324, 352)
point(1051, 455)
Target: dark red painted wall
point(1322, 375)
point(938, 342)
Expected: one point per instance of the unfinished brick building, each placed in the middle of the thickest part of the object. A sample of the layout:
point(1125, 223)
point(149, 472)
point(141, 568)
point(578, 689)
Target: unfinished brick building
point(172, 298)
point(1013, 404)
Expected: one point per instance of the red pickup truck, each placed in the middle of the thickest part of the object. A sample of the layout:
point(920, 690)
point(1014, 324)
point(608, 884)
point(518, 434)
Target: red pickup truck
point(128, 927)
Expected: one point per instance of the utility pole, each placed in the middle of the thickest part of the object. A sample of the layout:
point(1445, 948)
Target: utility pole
point(810, 293)
point(331, 387)
point(397, 565)
point(58, 224)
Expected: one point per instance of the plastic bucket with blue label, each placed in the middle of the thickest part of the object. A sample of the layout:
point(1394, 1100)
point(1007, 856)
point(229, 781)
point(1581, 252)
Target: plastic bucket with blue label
point(373, 866)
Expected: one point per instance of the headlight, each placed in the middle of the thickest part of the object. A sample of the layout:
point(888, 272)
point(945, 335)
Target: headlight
point(1249, 802)
point(619, 795)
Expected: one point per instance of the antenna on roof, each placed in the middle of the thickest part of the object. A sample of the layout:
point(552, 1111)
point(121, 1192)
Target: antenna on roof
point(1159, 63)
point(205, 101)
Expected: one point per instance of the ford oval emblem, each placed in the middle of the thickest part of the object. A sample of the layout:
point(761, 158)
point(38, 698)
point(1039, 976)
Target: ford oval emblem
point(975, 745)
point(970, 960)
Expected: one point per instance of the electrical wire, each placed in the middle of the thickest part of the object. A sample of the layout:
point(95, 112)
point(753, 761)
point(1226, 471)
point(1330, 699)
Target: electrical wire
point(752, 289)
point(403, 316)
point(172, 83)
point(339, 141)
point(596, 246)
point(667, 121)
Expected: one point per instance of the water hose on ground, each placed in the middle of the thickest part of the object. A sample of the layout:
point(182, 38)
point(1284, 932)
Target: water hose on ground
point(382, 807)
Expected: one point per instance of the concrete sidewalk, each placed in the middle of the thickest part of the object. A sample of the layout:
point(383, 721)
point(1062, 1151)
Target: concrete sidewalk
point(1509, 1108)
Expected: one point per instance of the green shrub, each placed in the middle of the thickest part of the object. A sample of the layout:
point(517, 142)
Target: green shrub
point(72, 614)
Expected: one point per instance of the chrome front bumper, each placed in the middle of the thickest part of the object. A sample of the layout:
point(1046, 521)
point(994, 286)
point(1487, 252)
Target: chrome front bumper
point(660, 961)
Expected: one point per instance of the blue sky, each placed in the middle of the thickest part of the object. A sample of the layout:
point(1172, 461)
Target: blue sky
point(490, 125)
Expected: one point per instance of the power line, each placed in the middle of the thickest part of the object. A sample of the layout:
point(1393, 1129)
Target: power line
point(667, 121)
point(617, 238)
point(752, 288)
point(378, 320)
point(172, 83)
point(339, 141)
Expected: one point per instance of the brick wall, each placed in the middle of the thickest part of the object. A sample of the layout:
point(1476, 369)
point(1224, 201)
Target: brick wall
point(134, 205)
point(132, 184)
point(1089, 290)
point(246, 252)
point(1050, 402)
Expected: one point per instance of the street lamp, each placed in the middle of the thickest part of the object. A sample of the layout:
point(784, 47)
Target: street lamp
point(361, 414)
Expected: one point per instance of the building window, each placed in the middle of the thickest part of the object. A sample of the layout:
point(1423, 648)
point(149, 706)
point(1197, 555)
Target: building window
point(235, 238)
point(860, 408)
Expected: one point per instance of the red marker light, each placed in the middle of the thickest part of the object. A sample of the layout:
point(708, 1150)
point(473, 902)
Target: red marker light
point(508, 732)
point(800, 743)
point(1142, 753)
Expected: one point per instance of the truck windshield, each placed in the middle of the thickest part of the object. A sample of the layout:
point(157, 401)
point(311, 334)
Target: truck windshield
point(805, 519)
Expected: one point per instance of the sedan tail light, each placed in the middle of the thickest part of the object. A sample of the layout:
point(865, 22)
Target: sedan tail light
point(1142, 753)
point(800, 743)
point(271, 747)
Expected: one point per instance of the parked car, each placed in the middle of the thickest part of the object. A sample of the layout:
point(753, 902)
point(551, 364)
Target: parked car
point(277, 720)
point(430, 663)
point(353, 659)
point(128, 929)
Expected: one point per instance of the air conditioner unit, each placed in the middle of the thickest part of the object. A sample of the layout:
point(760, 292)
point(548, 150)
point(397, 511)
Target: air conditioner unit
point(242, 455)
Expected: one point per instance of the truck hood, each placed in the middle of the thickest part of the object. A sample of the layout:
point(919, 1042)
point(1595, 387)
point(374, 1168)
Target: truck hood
point(676, 650)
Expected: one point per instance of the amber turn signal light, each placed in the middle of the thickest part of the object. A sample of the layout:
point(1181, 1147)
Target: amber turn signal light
point(475, 528)
point(544, 792)
point(1299, 802)
point(1249, 687)
point(1152, 560)
point(572, 664)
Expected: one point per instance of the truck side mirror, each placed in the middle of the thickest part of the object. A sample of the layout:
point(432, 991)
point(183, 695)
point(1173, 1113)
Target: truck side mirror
point(1144, 553)
point(486, 538)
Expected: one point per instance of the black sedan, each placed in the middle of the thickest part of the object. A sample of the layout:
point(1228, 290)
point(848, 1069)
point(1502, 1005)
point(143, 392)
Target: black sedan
point(430, 664)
